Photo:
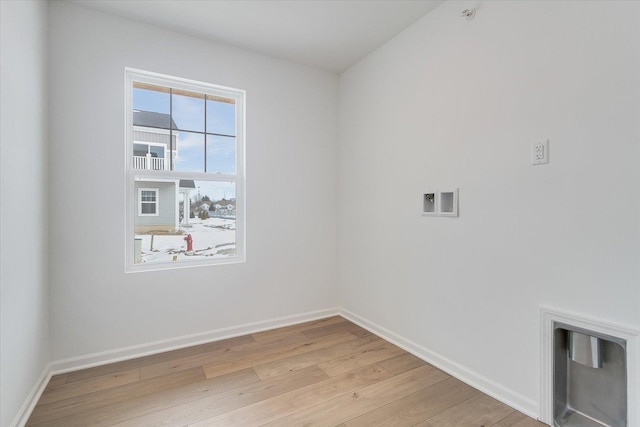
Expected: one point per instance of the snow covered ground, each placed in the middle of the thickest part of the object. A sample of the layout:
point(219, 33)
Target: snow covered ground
point(212, 238)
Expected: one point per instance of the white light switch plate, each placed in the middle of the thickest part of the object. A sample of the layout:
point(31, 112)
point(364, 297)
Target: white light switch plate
point(540, 152)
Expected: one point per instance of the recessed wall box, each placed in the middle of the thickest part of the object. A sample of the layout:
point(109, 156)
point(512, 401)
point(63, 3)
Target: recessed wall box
point(429, 202)
point(589, 378)
point(448, 203)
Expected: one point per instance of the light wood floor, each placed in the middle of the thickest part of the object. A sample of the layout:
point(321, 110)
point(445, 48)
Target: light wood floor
point(328, 372)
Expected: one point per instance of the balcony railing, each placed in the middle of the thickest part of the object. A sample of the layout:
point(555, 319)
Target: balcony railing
point(149, 163)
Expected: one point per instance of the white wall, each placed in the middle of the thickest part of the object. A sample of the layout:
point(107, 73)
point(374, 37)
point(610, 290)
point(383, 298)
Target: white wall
point(24, 287)
point(292, 153)
point(451, 103)
point(448, 103)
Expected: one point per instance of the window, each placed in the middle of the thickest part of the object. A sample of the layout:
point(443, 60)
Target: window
point(184, 165)
point(147, 201)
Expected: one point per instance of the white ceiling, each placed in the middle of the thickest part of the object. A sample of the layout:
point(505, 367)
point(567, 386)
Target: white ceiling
point(326, 34)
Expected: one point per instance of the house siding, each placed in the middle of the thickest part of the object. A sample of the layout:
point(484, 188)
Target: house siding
point(142, 136)
point(166, 218)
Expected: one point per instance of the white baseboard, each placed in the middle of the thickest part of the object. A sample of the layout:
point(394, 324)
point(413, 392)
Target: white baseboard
point(509, 397)
point(118, 355)
point(111, 356)
point(34, 395)
point(515, 400)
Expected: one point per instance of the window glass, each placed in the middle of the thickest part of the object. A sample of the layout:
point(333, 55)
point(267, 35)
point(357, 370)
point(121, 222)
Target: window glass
point(221, 154)
point(156, 151)
point(208, 217)
point(140, 149)
point(148, 208)
point(190, 154)
point(221, 117)
point(151, 105)
point(148, 202)
point(188, 111)
point(148, 196)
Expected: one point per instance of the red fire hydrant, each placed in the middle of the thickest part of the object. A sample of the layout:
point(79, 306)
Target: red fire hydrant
point(189, 240)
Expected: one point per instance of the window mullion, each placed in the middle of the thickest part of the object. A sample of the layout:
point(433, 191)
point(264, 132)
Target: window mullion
point(171, 129)
point(205, 133)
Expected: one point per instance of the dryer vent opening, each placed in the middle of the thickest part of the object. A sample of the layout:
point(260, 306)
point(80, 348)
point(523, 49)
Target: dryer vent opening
point(589, 378)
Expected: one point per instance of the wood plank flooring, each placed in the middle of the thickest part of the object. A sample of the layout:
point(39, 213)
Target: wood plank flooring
point(328, 372)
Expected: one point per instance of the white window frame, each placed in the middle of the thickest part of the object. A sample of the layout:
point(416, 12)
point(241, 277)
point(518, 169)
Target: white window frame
point(132, 175)
point(156, 202)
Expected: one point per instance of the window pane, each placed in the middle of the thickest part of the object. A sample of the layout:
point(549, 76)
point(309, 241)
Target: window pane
point(206, 213)
point(188, 112)
point(148, 208)
point(140, 149)
point(190, 153)
point(150, 98)
point(148, 196)
point(221, 118)
point(156, 151)
point(221, 154)
point(151, 106)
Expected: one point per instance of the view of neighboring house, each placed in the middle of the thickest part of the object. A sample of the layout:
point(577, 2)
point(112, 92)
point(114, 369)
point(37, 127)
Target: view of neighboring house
point(151, 140)
point(158, 201)
point(223, 208)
